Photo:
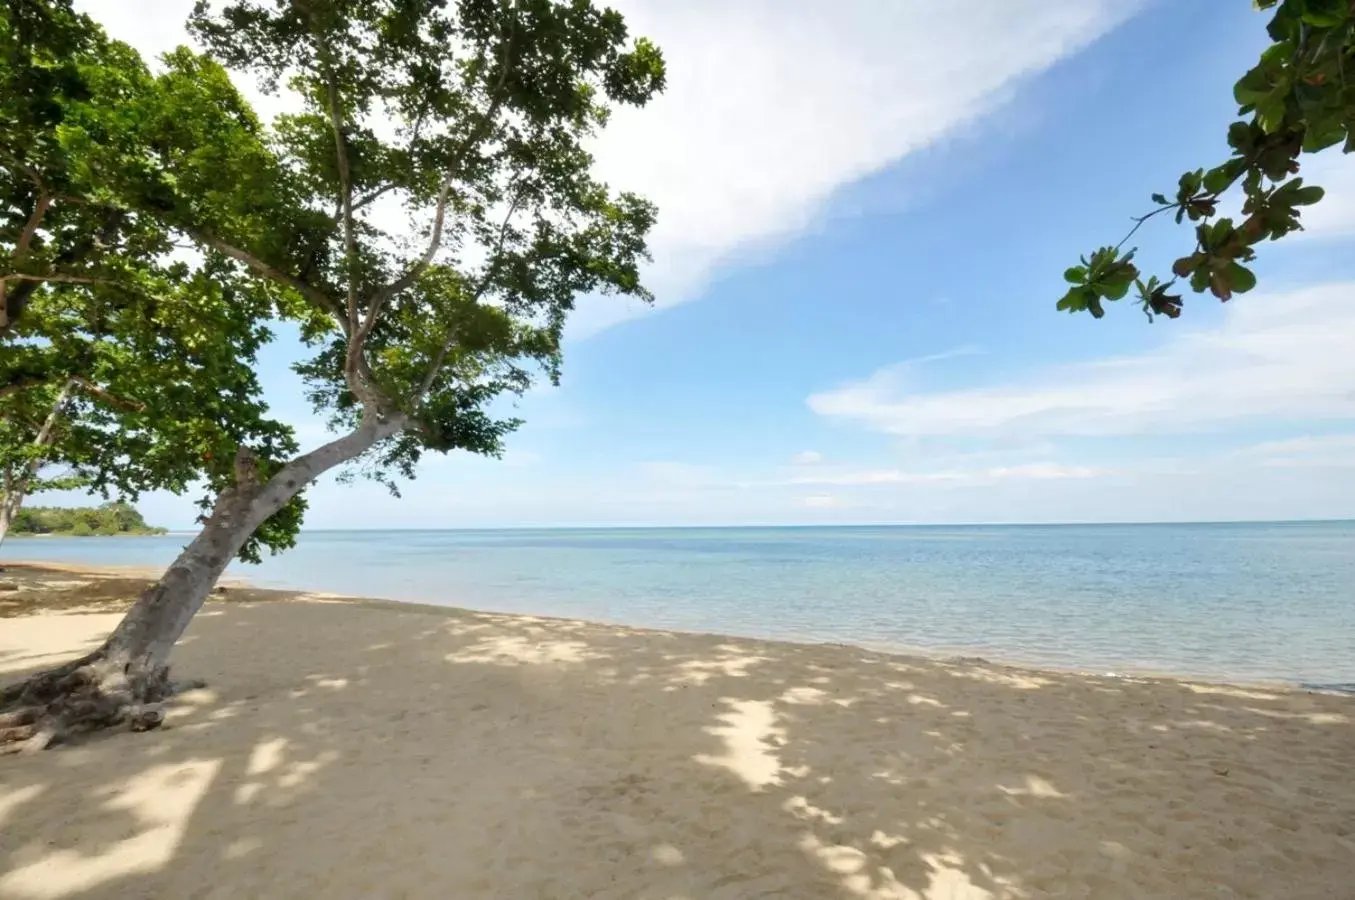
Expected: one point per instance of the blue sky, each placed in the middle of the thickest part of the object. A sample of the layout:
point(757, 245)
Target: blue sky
point(865, 212)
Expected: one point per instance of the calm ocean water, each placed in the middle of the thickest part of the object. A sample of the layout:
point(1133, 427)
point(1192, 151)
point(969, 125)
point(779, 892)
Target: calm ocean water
point(1245, 602)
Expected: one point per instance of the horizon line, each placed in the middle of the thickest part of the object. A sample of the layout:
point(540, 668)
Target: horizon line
point(842, 525)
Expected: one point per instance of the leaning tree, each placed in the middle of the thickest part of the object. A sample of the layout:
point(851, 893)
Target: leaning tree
point(470, 118)
point(1298, 99)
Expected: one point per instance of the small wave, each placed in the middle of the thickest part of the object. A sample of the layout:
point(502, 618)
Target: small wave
point(1342, 687)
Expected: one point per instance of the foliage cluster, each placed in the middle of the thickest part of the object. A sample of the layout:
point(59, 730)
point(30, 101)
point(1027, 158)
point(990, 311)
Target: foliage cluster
point(117, 517)
point(1299, 98)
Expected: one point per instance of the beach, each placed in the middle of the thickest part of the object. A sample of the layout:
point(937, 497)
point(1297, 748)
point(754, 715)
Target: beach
point(362, 748)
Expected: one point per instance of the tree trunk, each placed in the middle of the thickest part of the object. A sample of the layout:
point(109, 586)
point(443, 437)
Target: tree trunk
point(127, 678)
point(17, 484)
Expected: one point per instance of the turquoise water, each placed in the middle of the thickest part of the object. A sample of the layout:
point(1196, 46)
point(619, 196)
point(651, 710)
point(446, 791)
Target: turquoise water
point(1243, 602)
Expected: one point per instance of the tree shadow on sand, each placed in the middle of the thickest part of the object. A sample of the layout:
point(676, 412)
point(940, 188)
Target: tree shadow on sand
point(347, 750)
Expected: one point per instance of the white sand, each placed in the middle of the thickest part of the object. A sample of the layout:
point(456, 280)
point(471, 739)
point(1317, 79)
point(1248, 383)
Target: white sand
point(368, 750)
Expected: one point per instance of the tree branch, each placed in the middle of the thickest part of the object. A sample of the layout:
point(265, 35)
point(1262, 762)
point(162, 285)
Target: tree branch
point(1139, 220)
point(364, 202)
point(55, 277)
point(490, 268)
point(32, 173)
point(346, 205)
point(274, 274)
point(25, 239)
point(46, 436)
point(31, 227)
point(477, 136)
point(113, 400)
point(23, 382)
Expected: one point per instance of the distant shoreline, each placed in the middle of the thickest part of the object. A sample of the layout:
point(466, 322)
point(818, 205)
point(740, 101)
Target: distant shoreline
point(68, 534)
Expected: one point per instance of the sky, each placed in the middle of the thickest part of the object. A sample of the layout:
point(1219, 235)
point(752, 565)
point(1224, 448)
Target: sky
point(865, 210)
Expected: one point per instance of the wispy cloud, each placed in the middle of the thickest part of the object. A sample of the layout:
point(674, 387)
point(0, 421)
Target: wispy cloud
point(1320, 452)
point(1284, 358)
point(807, 458)
point(774, 105)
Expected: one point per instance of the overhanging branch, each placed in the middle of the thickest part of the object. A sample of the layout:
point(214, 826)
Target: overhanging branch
point(491, 267)
point(474, 139)
point(307, 290)
point(350, 247)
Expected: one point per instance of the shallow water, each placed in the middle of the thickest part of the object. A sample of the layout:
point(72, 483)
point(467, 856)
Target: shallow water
point(1240, 602)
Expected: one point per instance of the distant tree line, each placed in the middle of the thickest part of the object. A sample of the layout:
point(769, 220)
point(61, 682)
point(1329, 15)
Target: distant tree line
point(117, 517)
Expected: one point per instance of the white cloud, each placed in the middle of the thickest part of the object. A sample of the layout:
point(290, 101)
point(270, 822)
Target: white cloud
point(1282, 358)
point(772, 106)
point(1334, 216)
point(823, 501)
point(807, 458)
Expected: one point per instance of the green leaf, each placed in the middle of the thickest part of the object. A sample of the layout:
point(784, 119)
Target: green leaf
point(1114, 290)
point(1188, 264)
point(1253, 87)
point(1324, 13)
point(1075, 300)
point(1241, 278)
point(1307, 196)
point(1322, 135)
point(1075, 275)
point(1199, 279)
point(1220, 177)
point(1270, 112)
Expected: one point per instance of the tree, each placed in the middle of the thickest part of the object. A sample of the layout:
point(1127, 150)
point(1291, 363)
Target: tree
point(137, 372)
point(470, 117)
point(128, 393)
point(57, 69)
point(117, 517)
point(22, 455)
point(1299, 98)
point(128, 368)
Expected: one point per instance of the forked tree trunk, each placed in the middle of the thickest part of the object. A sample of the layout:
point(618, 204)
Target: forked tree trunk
point(128, 676)
point(19, 481)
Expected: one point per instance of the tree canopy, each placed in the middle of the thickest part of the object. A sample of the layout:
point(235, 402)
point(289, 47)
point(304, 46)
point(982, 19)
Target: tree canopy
point(151, 351)
point(1299, 98)
point(467, 118)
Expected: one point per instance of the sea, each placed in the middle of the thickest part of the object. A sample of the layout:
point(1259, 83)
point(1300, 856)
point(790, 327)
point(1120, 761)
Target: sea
point(1253, 602)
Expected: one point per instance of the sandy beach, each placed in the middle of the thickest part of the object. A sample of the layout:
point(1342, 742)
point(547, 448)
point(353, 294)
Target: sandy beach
point(369, 749)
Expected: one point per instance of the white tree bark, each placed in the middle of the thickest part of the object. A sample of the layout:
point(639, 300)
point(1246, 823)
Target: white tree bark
point(18, 483)
point(149, 631)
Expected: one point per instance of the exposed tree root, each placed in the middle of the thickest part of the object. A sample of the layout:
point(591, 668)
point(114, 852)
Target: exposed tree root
point(84, 695)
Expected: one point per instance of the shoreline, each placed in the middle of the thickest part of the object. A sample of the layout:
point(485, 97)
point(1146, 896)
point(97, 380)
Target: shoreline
point(342, 745)
point(898, 652)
